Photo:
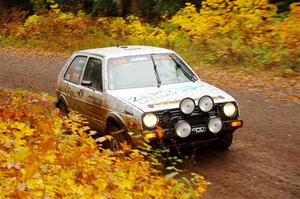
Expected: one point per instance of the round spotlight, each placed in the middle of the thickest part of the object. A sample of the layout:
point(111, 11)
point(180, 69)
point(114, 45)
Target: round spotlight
point(215, 125)
point(183, 129)
point(150, 120)
point(187, 106)
point(229, 109)
point(206, 103)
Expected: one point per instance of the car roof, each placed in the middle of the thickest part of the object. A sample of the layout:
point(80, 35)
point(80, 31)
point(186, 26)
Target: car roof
point(120, 51)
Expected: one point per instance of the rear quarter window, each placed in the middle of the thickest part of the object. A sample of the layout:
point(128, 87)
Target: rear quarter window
point(75, 69)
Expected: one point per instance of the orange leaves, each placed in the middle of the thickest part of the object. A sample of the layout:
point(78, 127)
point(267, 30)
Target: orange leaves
point(288, 31)
point(46, 145)
point(125, 146)
point(35, 109)
point(160, 132)
point(18, 113)
point(30, 170)
point(52, 155)
point(42, 153)
point(7, 113)
point(45, 126)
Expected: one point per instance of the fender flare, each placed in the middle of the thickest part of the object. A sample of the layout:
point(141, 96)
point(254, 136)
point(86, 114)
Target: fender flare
point(116, 118)
point(63, 99)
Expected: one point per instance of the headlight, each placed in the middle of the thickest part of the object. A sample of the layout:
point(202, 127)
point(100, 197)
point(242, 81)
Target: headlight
point(229, 109)
point(187, 106)
point(206, 103)
point(183, 129)
point(150, 120)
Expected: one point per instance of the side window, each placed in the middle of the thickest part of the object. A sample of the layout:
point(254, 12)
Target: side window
point(93, 73)
point(74, 71)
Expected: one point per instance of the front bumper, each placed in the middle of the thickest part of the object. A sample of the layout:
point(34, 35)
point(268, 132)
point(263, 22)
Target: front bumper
point(168, 137)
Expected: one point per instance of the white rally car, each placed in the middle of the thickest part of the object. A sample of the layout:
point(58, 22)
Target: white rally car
point(146, 92)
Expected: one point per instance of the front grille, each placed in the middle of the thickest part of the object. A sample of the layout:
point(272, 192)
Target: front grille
point(195, 119)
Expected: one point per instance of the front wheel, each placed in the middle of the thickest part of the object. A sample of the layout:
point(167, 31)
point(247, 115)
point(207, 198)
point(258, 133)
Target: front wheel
point(121, 140)
point(63, 108)
point(225, 141)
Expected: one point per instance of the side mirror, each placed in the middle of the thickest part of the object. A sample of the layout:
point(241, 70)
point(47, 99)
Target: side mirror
point(86, 83)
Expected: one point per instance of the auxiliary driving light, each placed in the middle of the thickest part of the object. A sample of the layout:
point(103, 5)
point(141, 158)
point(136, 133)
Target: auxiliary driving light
point(187, 106)
point(206, 103)
point(183, 129)
point(229, 109)
point(215, 125)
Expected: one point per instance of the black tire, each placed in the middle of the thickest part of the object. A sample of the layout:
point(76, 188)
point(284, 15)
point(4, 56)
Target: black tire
point(225, 141)
point(63, 108)
point(115, 144)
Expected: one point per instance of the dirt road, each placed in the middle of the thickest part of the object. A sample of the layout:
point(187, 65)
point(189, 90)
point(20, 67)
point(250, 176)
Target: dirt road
point(263, 162)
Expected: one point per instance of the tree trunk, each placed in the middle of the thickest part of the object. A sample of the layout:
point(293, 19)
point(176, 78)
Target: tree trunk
point(3, 7)
point(120, 8)
point(135, 7)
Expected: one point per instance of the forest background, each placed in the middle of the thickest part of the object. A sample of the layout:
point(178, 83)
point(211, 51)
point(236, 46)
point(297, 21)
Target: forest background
point(242, 35)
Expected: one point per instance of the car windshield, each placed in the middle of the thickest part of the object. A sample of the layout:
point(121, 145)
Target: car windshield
point(147, 70)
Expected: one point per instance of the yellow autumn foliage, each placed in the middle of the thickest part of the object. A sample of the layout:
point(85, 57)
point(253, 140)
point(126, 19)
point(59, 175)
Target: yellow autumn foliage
point(46, 155)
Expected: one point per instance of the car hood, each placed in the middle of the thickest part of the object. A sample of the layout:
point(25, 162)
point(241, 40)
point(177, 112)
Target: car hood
point(150, 99)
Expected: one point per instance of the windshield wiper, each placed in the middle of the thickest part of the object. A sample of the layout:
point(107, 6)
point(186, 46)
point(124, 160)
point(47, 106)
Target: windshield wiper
point(190, 76)
point(156, 73)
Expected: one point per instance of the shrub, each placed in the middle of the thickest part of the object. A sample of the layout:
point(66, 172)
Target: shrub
point(43, 154)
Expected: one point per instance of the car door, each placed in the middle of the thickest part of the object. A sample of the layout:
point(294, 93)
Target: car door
point(72, 78)
point(92, 97)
